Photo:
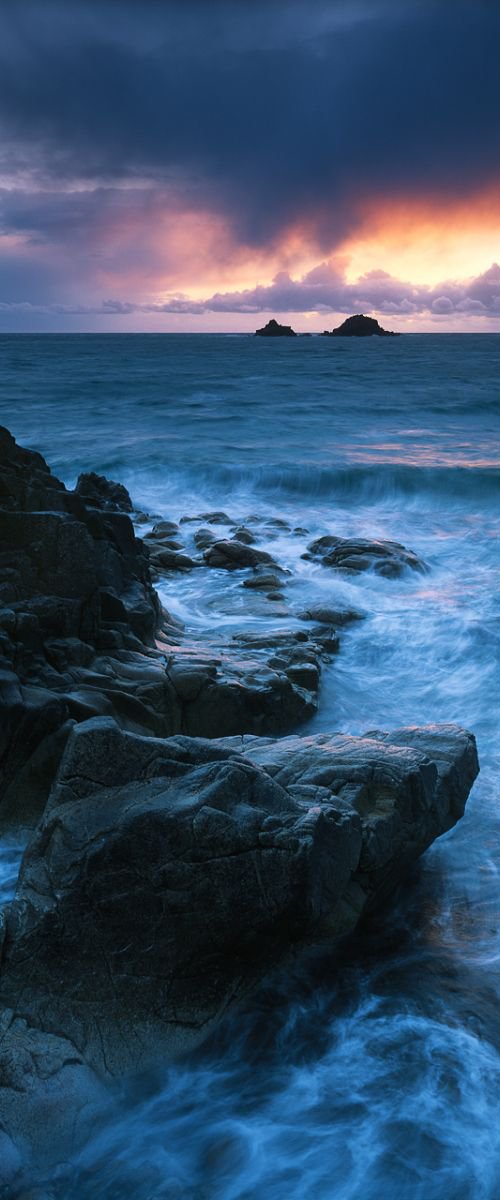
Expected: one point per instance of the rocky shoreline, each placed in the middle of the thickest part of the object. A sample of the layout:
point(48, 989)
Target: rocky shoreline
point(184, 840)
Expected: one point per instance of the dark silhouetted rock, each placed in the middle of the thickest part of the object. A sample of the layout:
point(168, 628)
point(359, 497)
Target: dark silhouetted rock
point(362, 554)
point(75, 581)
point(274, 329)
point(359, 326)
point(99, 492)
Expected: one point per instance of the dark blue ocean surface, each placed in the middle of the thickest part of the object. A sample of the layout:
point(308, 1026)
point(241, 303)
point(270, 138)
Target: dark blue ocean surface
point(375, 1073)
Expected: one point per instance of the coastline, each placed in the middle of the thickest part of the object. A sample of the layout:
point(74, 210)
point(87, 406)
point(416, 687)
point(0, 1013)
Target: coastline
point(132, 670)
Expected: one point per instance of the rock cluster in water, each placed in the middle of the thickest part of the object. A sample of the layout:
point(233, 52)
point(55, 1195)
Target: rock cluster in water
point(180, 847)
point(352, 555)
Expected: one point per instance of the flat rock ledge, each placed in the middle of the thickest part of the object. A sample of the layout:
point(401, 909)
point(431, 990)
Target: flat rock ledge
point(168, 876)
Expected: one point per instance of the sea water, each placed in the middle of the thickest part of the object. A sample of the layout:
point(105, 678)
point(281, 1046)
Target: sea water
point(372, 1071)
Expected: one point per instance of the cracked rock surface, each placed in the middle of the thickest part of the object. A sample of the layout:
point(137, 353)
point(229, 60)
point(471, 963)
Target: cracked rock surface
point(167, 876)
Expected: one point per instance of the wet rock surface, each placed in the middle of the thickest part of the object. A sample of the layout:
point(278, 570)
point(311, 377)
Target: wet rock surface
point(256, 683)
point(331, 616)
point(232, 852)
point(362, 554)
point(230, 554)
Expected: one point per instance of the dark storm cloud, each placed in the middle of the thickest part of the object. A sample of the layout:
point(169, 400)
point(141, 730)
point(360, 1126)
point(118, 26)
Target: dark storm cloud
point(270, 113)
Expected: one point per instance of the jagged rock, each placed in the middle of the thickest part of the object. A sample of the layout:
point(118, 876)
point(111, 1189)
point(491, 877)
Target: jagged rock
point(75, 581)
point(26, 482)
point(166, 877)
point(408, 787)
point(359, 326)
point(99, 492)
point(231, 555)
point(362, 554)
point(274, 329)
point(254, 685)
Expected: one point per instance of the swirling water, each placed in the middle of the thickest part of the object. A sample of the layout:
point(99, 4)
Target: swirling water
point(374, 1070)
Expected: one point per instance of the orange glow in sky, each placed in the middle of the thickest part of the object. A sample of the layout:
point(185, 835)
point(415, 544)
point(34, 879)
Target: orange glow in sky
point(422, 242)
point(429, 242)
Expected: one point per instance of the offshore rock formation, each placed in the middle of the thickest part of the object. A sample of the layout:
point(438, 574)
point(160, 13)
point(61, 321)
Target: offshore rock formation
point(359, 326)
point(274, 329)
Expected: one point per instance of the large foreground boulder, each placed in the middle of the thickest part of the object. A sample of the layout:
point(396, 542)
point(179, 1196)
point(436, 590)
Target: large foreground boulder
point(167, 877)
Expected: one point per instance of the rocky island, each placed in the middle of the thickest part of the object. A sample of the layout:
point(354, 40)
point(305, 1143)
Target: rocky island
point(274, 329)
point(163, 776)
point(359, 326)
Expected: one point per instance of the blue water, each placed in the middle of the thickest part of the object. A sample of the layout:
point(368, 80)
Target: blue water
point(374, 1072)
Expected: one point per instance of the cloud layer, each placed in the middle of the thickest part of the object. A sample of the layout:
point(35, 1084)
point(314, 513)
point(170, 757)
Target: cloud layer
point(142, 153)
point(322, 290)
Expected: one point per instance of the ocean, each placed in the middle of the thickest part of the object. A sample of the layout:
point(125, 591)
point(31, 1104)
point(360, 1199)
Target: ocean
point(373, 1070)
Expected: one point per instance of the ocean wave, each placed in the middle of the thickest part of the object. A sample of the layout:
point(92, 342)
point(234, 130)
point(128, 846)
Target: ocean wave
point(349, 484)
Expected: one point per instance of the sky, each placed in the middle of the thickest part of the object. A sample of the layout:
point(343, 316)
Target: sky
point(203, 165)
